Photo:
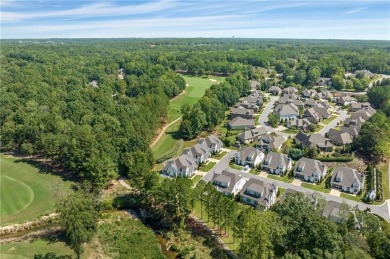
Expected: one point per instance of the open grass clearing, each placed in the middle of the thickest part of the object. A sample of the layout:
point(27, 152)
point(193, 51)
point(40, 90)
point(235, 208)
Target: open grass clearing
point(196, 179)
point(26, 193)
point(29, 249)
point(168, 141)
point(207, 167)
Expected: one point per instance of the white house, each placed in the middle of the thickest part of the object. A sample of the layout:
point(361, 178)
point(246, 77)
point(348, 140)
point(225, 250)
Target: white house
point(199, 153)
point(249, 156)
point(183, 166)
point(259, 194)
point(276, 163)
point(310, 170)
point(228, 182)
point(347, 179)
point(213, 143)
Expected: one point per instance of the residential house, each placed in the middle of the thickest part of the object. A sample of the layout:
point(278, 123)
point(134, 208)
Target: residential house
point(335, 211)
point(357, 106)
point(259, 194)
point(254, 85)
point(347, 179)
point(364, 73)
point(309, 93)
point(183, 166)
point(310, 103)
point(345, 100)
point(239, 123)
point(365, 113)
point(310, 170)
point(213, 143)
point(301, 124)
point(313, 140)
point(351, 130)
point(247, 105)
point(290, 90)
point(199, 153)
point(275, 90)
point(228, 182)
point(276, 163)
point(258, 100)
point(241, 112)
point(287, 111)
point(339, 138)
point(311, 115)
point(270, 142)
point(357, 122)
point(325, 95)
point(324, 81)
point(322, 111)
point(248, 136)
point(249, 156)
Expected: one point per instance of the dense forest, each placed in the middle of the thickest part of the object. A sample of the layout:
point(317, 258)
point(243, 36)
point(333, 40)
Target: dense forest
point(65, 100)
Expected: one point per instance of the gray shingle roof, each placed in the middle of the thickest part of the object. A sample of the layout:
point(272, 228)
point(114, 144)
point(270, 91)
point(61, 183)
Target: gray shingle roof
point(264, 189)
point(307, 166)
point(238, 121)
point(287, 109)
point(273, 160)
point(345, 176)
point(248, 153)
point(228, 177)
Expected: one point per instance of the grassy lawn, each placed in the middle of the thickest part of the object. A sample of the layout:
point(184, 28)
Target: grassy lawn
point(385, 179)
point(254, 171)
point(197, 86)
point(207, 167)
point(281, 190)
point(220, 155)
point(27, 249)
point(351, 197)
point(316, 187)
point(280, 178)
point(290, 131)
point(234, 166)
point(318, 127)
point(326, 121)
point(168, 140)
point(26, 193)
point(196, 179)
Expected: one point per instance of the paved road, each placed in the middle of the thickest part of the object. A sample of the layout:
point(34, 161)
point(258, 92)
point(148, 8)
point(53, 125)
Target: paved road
point(381, 210)
point(333, 124)
point(263, 119)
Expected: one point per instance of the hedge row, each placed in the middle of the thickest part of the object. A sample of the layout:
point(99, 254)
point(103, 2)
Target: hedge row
point(171, 153)
point(336, 159)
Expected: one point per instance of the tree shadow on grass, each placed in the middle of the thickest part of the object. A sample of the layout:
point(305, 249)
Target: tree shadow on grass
point(49, 168)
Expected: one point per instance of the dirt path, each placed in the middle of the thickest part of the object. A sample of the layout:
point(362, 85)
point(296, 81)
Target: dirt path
point(177, 96)
point(163, 131)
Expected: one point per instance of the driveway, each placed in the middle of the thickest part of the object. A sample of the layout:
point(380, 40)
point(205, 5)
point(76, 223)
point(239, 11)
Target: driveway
point(335, 192)
point(333, 124)
point(296, 182)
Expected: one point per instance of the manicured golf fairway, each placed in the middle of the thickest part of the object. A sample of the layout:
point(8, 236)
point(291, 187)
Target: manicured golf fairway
point(26, 193)
point(195, 91)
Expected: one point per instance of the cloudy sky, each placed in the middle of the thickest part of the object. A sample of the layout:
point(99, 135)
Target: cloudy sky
point(316, 19)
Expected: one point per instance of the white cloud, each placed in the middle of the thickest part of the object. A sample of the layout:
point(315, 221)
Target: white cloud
point(355, 10)
point(91, 10)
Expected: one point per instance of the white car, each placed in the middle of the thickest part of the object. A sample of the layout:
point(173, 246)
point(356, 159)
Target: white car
point(246, 168)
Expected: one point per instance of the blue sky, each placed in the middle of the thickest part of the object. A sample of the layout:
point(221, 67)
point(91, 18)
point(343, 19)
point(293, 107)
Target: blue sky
point(332, 19)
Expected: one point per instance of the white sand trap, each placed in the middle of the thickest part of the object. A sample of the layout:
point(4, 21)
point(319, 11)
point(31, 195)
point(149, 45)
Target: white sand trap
point(187, 85)
point(213, 80)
